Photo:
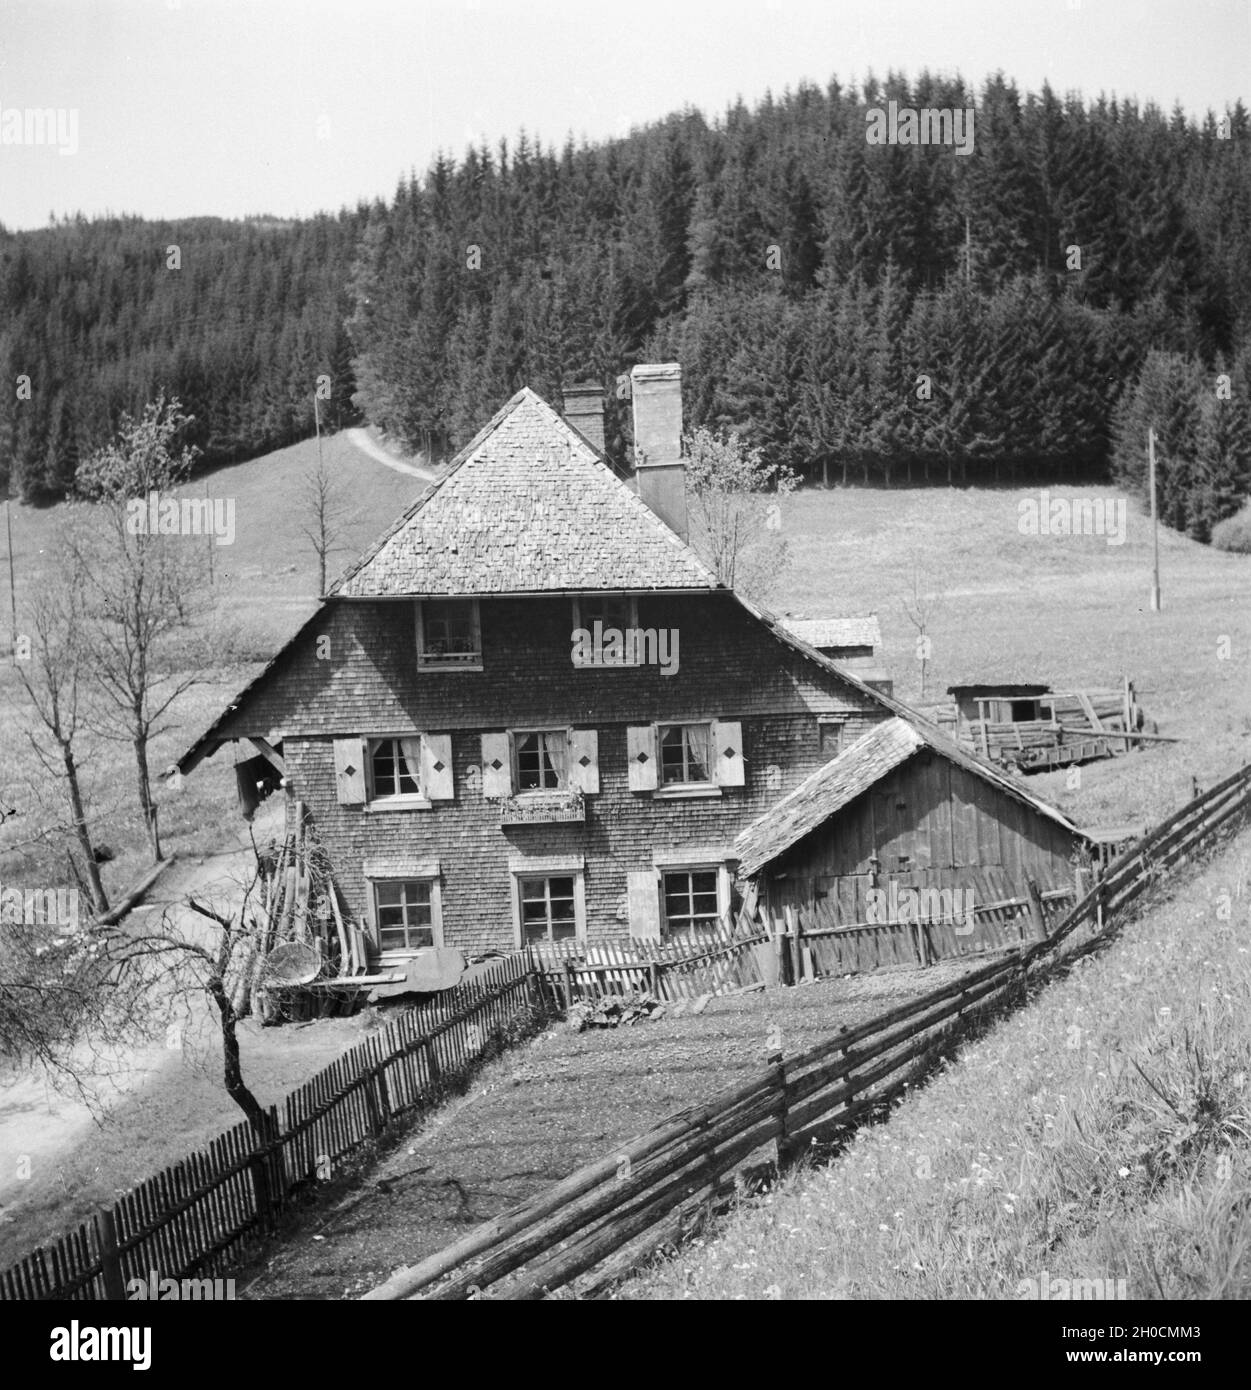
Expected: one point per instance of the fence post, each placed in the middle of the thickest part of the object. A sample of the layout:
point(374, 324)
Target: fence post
point(110, 1258)
point(376, 1125)
point(568, 983)
point(1036, 910)
point(792, 926)
point(782, 1148)
point(779, 949)
point(384, 1094)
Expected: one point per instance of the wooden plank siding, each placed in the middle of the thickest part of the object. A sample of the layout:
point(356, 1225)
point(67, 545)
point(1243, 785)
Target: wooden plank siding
point(927, 824)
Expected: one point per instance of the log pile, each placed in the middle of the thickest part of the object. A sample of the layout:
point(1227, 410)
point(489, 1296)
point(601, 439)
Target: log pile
point(292, 902)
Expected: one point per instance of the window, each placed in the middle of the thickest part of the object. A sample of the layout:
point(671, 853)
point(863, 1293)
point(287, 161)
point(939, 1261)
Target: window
point(685, 754)
point(448, 635)
point(691, 900)
point(541, 759)
point(616, 612)
point(394, 767)
point(831, 735)
point(406, 912)
point(548, 909)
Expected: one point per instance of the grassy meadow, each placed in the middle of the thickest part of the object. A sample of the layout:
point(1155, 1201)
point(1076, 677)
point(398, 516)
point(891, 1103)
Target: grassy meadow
point(263, 586)
point(1054, 609)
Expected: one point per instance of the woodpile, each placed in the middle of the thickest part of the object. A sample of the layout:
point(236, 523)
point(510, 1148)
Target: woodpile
point(292, 906)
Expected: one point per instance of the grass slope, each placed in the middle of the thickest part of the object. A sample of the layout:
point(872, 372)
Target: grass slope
point(1103, 1132)
point(1058, 609)
point(264, 587)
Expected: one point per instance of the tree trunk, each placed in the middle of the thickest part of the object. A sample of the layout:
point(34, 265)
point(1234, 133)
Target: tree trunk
point(101, 903)
point(232, 1070)
point(140, 744)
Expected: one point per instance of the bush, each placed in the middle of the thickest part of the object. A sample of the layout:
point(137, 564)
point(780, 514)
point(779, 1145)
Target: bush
point(1234, 533)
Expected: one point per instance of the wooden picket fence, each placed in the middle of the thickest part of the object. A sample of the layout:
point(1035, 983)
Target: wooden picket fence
point(845, 948)
point(707, 962)
point(199, 1216)
point(596, 1225)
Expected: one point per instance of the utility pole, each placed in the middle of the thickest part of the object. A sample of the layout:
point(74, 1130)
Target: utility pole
point(1155, 528)
point(8, 522)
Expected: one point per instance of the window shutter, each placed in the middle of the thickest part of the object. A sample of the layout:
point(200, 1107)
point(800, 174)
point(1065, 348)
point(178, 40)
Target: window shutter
point(641, 756)
point(643, 888)
point(728, 743)
point(584, 760)
point(436, 767)
point(349, 771)
point(497, 766)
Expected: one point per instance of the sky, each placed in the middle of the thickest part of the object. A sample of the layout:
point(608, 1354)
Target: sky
point(174, 108)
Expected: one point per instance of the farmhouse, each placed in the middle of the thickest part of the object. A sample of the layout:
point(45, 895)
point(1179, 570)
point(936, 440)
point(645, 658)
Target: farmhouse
point(902, 812)
point(475, 778)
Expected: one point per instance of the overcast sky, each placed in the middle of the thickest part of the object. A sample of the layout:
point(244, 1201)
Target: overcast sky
point(265, 106)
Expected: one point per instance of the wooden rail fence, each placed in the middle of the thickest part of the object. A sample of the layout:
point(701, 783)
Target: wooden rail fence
point(600, 1222)
point(199, 1216)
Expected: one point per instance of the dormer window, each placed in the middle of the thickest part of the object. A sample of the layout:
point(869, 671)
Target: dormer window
point(448, 635)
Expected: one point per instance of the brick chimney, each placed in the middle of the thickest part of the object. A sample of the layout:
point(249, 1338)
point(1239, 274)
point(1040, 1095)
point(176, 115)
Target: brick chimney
point(660, 478)
point(584, 410)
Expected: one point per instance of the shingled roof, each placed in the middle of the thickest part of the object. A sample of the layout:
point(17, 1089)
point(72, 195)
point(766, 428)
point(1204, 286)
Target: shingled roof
point(853, 772)
point(835, 632)
point(527, 507)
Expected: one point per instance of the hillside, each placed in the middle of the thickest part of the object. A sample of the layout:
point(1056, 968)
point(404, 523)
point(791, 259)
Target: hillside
point(264, 587)
point(1102, 1132)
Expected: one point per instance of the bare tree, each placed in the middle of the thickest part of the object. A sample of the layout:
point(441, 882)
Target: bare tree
point(919, 606)
point(142, 589)
point(324, 511)
point(53, 677)
point(73, 999)
point(735, 496)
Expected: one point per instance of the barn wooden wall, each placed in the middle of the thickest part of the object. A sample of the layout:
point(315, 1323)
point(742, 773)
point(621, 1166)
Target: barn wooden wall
point(933, 826)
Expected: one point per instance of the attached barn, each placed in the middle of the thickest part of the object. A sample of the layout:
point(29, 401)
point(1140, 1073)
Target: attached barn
point(905, 808)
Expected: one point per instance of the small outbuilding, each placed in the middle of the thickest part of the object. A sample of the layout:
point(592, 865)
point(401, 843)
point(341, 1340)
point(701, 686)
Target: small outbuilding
point(855, 643)
point(905, 807)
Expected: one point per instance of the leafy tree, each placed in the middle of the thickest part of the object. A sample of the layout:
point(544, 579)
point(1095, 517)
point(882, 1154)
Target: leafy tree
point(734, 495)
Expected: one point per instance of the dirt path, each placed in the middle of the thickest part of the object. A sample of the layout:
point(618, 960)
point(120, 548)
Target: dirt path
point(63, 1154)
point(369, 445)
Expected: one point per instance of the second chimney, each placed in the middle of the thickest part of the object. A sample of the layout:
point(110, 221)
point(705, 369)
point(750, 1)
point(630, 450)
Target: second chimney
point(584, 410)
point(660, 478)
